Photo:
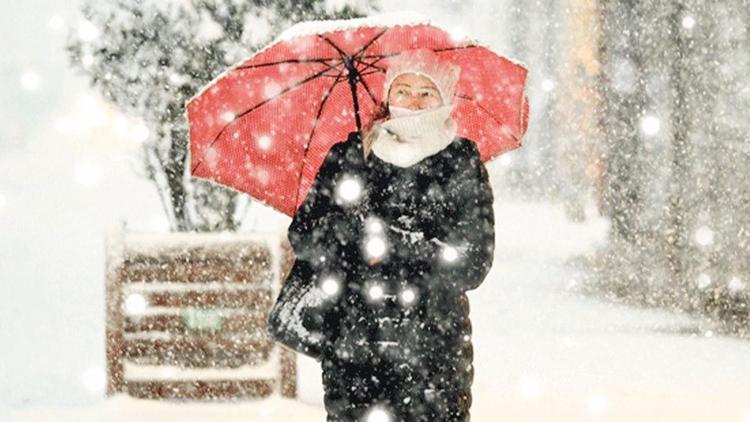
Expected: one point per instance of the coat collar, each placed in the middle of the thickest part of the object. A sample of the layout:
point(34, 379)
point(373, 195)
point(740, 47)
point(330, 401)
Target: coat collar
point(355, 140)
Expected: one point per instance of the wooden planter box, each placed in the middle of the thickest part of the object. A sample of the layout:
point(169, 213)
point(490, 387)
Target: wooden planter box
point(187, 312)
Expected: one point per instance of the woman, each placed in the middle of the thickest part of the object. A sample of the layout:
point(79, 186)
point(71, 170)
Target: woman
point(396, 227)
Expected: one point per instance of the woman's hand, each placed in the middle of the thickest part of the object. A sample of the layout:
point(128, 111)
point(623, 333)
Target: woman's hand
point(374, 260)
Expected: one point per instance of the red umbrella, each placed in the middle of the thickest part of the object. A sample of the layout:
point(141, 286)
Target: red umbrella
point(265, 126)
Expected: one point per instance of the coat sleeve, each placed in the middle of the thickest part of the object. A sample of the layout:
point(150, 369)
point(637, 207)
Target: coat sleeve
point(457, 249)
point(321, 230)
point(301, 317)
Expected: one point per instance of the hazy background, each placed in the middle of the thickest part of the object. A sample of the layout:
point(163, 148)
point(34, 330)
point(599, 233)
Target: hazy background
point(69, 170)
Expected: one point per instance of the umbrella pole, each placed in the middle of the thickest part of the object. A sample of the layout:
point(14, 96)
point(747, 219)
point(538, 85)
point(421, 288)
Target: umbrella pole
point(352, 76)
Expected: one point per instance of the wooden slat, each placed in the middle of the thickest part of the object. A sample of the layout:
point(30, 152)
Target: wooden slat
point(257, 322)
point(247, 339)
point(261, 298)
point(113, 304)
point(175, 324)
point(114, 352)
point(224, 258)
point(238, 263)
point(190, 352)
point(219, 254)
point(200, 390)
point(288, 382)
point(197, 360)
point(197, 273)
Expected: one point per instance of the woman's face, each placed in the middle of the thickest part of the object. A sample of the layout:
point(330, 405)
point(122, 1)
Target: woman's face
point(415, 92)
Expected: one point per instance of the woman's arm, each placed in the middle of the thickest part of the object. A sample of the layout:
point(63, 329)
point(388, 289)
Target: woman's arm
point(302, 317)
point(321, 230)
point(457, 249)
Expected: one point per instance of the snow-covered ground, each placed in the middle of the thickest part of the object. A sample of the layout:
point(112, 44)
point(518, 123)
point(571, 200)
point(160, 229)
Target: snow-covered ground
point(542, 350)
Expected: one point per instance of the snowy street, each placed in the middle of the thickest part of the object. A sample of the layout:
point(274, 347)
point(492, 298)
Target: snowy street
point(542, 351)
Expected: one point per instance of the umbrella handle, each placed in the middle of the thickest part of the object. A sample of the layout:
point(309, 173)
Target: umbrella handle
point(352, 77)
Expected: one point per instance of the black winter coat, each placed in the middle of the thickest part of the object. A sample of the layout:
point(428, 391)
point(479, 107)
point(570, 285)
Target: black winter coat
point(392, 334)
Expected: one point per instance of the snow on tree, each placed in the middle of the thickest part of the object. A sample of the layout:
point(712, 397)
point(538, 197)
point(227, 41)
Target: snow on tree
point(149, 57)
point(675, 96)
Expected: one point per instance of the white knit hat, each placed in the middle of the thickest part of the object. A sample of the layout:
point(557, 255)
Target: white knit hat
point(423, 62)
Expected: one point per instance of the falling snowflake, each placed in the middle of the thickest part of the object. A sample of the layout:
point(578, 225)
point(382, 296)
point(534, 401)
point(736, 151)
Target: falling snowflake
point(650, 125)
point(703, 280)
point(349, 189)
point(330, 286)
point(688, 22)
point(378, 413)
point(375, 246)
point(407, 296)
point(704, 236)
point(449, 253)
point(135, 304)
point(30, 80)
point(375, 292)
point(735, 284)
point(264, 142)
point(373, 225)
point(227, 116)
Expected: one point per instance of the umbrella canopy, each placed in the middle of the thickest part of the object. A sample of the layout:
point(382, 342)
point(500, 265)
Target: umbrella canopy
point(265, 125)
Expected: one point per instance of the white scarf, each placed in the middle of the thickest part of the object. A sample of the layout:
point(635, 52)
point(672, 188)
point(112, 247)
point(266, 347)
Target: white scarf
point(411, 135)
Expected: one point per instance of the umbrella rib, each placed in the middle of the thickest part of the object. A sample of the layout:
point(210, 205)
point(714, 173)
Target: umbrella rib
point(312, 131)
point(372, 72)
point(358, 55)
point(317, 60)
point(372, 65)
point(338, 78)
point(439, 50)
point(303, 61)
point(380, 56)
point(367, 88)
point(461, 47)
point(324, 38)
point(320, 110)
point(480, 107)
point(369, 43)
point(353, 72)
point(255, 107)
